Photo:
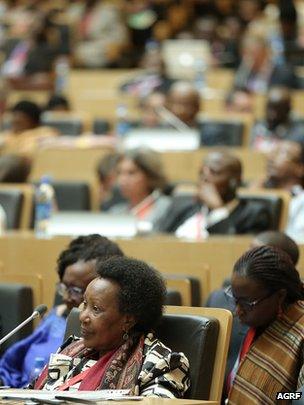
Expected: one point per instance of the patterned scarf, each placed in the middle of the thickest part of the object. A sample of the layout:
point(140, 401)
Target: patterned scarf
point(273, 362)
point(117, 370)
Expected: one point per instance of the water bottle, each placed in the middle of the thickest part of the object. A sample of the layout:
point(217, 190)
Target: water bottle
point(62, 71)
point(45, 202)
point(122, 122)
point(38, 367)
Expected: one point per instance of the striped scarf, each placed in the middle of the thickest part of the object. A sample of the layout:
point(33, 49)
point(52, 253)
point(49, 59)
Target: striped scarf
point(274, 362)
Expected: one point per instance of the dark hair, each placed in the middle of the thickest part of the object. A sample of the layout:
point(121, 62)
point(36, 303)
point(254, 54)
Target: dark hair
point(150, 163)
point(142, 290)
point(87, 248)
point(32, 110)
point(14, 168)
point(281, 241)
point(107, 164)
point(274, 269)
point(56, 101)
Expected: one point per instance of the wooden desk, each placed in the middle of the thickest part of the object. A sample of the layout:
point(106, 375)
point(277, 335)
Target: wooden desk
point(144, 401)
point(22, 252)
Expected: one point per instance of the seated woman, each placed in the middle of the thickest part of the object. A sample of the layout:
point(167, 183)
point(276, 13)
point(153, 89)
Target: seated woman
point(269, 298)
point(76, 268)
point(141, 181)
point(118, 350)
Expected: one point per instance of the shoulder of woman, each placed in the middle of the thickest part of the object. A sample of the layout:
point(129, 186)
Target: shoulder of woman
point(155, 351)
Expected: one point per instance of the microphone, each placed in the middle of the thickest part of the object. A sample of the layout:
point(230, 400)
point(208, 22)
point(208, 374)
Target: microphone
point(38, 312)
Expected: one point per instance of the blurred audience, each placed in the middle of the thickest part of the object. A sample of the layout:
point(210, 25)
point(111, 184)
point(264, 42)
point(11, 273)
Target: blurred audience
point(279, 123)
point(107, 171)
point(99, 33)
point(285, 170)
point(257, 72)
point(216, 209)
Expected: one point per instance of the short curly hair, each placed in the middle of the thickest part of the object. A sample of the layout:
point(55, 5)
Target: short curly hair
point(142, 290)
point(87, 248)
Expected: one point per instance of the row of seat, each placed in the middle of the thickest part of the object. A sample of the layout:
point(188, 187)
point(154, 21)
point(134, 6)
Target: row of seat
point(18, 202)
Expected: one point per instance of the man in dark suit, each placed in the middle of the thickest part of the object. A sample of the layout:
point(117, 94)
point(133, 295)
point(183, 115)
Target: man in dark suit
point(216, 209)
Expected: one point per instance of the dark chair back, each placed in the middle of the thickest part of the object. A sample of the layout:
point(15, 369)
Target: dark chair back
point(65, 125)
point(194, 335)
point(214, 132)
point(72, 195)
point(274, 204)
point(16, 304)
point(100, 126)
point(11, 201)
point(173, 297)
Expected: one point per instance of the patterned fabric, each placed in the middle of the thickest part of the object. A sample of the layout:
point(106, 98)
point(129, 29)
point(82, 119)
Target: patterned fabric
point(274, 362)
point(144, 366)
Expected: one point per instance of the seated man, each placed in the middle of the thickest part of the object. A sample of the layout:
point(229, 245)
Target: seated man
point(216, 209)
point(278, 123)
point(184, 102)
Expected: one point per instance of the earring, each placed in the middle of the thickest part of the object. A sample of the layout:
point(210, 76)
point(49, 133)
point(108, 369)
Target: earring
point(125, 336)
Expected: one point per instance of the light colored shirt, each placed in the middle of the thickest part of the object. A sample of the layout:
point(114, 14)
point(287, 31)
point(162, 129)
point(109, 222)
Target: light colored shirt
point(196, 226)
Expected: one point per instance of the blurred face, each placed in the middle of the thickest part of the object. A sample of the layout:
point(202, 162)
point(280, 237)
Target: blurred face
point(184, 104)
point(21, 122)
point(264, 306)
point(132, 180)
point(75, 279)
point(217, 171)
point(102, 323)
point(284, 162)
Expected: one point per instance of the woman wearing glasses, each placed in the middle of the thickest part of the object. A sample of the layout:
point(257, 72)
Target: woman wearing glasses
point(268, 295)
point(76, 269)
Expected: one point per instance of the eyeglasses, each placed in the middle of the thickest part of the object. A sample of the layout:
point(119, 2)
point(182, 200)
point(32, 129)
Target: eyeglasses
point(246, 305)
point(63, 290)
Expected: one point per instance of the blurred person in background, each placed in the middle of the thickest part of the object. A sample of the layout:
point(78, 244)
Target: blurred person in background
point(257, 72)
point(142, 183)
point(285, 170)
point(215, 208)
point(99, 33)
point(25, 133)
point(279, 123)
point(107, 171)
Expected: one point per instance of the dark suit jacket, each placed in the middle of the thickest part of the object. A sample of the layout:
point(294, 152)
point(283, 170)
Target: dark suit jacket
point(248, 217)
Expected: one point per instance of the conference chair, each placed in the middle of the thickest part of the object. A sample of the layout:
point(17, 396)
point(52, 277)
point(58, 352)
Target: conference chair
point(16, 304)
point(202, 334)
point(17, 202)
point(221, 133)
point(65, 124)
point(276, 201)
point(100, 126)
point(72, 195)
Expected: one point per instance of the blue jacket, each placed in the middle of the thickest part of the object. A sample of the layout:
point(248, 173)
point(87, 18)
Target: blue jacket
point(18, 361)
